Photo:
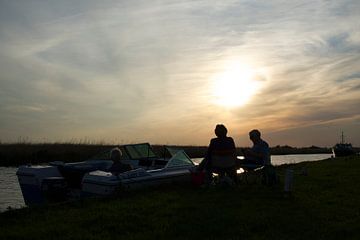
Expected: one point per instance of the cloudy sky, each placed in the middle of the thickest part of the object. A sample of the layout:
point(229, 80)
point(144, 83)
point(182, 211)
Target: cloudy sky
point(167, 72)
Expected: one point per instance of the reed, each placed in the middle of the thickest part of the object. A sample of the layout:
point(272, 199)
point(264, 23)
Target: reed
point(25, 152)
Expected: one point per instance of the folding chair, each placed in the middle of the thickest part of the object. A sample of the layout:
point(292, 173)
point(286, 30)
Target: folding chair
point(264, 173)
point(251, 171)
point(224, 165)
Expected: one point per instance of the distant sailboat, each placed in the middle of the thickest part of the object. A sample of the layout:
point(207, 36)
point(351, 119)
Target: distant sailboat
point(343, 149)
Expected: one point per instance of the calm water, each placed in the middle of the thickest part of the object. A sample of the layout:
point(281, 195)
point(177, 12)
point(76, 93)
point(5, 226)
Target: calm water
point(10, 193)
point(283, 159)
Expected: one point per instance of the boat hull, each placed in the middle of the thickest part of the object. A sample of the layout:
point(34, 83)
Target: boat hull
point(33, 181)
point(343, 153)
point(105, 184)
point(342, 150)
point(54, 182)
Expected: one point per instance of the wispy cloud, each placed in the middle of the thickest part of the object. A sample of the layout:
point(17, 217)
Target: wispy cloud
point(143, 69)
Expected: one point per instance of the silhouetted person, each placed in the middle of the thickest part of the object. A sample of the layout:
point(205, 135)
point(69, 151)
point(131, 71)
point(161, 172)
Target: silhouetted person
point(221, 148)
point(118, 166)
point(259, 154)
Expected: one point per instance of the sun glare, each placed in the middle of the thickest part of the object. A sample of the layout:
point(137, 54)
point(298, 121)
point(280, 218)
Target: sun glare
point(235, 86)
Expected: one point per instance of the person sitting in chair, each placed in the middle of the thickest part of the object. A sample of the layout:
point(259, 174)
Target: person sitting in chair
point(259, 154)
point(220, 156)
point(258, 157)
point(117, 166)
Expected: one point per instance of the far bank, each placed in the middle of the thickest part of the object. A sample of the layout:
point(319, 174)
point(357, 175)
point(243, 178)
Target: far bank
point(24, 153)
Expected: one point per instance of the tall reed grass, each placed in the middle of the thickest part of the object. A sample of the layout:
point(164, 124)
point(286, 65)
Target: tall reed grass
point(26, 152)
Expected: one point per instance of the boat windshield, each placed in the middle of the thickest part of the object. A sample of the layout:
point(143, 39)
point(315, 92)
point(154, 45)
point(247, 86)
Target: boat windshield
point(138, 151)
point(179, 159)
point(131, 151)
point(172, 151)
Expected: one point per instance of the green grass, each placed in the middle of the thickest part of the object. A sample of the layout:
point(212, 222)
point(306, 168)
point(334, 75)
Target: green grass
point(324, 205)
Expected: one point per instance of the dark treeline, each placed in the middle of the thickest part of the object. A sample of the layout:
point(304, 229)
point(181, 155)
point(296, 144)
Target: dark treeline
point(27, 153)
point(282, 150)
point(200, 151)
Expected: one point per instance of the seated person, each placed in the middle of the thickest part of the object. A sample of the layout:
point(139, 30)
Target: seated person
point(222, 148)
point(259, 154)
point(117, 166)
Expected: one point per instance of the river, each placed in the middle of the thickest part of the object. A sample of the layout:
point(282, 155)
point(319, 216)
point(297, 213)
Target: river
point(11, 197)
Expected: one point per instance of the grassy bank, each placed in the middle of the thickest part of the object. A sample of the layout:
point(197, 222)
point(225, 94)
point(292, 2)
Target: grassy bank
point(16, 154)
point(324, 205)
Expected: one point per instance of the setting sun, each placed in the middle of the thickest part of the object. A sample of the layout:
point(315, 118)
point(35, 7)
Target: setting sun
point(235, 86)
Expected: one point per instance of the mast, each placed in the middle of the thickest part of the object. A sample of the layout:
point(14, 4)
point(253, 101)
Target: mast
point(342, 137)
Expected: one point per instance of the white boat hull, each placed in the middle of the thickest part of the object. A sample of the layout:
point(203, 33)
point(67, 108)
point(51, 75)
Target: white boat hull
point(100, 183)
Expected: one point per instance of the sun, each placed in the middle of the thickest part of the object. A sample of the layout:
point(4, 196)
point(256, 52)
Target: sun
point(235, 86)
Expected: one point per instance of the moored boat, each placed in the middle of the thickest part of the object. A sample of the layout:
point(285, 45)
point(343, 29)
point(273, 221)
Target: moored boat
point(343, 149)
point(59, 181)
point(102, 183)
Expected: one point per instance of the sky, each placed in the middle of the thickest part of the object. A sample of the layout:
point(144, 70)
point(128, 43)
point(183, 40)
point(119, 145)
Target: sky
point(166, 72)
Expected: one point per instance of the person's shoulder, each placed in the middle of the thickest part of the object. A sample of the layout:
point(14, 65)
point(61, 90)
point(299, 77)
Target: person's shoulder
point(230, 138)
point(264, 143)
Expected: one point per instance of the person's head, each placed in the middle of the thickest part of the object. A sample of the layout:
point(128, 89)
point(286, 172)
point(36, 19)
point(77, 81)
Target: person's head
point(255, 135)
point(115, 154)
point(220, 130)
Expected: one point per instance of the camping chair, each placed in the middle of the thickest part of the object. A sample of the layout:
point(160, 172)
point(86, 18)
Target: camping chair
point(224, 165)
point(265, 173)
point(252, 172)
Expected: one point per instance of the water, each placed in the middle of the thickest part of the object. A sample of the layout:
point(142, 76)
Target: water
point(288, 159)
point(10, 193)
point(296, 158)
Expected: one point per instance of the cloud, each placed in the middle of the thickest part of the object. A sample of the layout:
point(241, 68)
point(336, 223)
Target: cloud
point(350, 77)
point(142, 69)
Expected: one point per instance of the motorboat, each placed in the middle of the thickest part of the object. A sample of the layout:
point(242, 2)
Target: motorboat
point(102, 183)
point(59, 181)
point(343, 149)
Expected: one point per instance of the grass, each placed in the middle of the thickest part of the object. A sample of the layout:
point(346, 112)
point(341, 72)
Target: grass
point(324, 205)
